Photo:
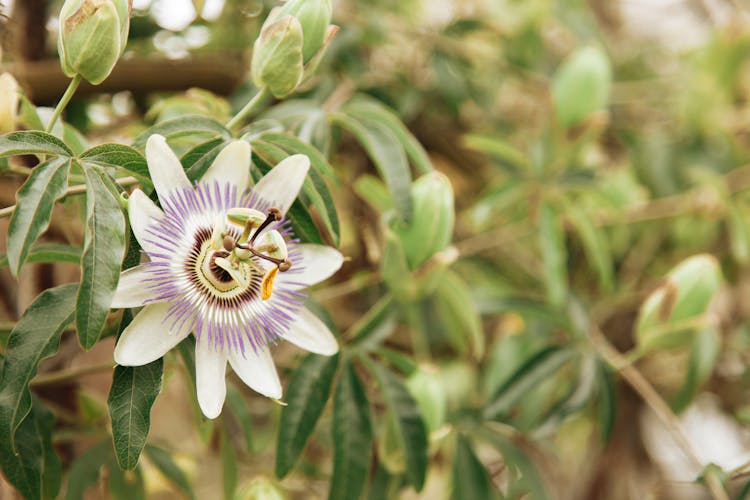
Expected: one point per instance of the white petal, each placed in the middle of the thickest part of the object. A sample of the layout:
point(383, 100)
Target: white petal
point(142, 212)
point(311, 334)
point(165, 168)
point(319, 262)
point(257, 371)
point(146, 338)
point(210, 371)
point(281, 185)
point(231, 165)
point(132, 289)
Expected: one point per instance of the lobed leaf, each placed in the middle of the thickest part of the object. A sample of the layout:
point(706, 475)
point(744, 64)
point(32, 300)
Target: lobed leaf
point(34, 203)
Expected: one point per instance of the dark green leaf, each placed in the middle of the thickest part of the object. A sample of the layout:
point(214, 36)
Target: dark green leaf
point(303, 224)
point(163, 461)
point(34, 202)
point(35, 470)
point(703, 355)
point(35, 337)
point(554, 254)
point(291, 145)
point(125, 485)
point(352, 436)
point(133, 392)
point(197, 160)
point(526, 377)
point(372, 110)
point(182, 126)
point(595, 244)
point(306, 398)
point(228, 466)
point(49, 252)
point(404, 413)
point(85, 471)
point(459, 314)
point(32, 142)
point(607, 401)
point(119, 156)
point(470, 478)
point(383, 147)
point(374, 325)
point(238, 407)
point(103, 251)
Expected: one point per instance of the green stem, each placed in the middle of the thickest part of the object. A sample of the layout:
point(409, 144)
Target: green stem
point(242, 114)
point(64, 100)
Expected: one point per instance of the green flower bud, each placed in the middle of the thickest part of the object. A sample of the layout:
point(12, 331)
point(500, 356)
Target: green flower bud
point(9, 97)
point(431, 227)
point(679, 308)
point(314, 16)
point(277, 56)
point(93, 35)
point(581, 85)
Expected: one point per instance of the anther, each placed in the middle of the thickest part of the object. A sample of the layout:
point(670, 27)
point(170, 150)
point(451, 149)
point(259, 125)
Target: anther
point(285, 266)
point(229, 243)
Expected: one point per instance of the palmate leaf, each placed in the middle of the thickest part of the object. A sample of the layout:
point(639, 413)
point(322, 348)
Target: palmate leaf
point(134, 390)
point(306, 397)
point(32, 142)
point(34, 202)
point(103, 252)
point(411, 433)
point(35, 337)
point(351, 429)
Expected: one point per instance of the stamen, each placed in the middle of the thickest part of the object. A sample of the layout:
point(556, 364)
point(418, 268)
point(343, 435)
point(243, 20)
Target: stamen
point(266, 287)
point(283, 264)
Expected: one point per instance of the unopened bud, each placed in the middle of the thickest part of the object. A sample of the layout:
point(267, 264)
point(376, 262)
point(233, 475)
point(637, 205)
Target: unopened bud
point(8, 102)
point(314, 17)
point(277, 56)
point(93, 35)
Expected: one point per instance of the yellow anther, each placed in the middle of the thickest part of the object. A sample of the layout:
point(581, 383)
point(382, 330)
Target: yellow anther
point(266, 286)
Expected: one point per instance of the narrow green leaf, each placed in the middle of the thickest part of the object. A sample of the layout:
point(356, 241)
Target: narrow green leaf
point(306, 398)
point(163, 461)
point(369, 109)
point(238, 407)
point(197, 160)
point(607, 401)
point(394, 267)
point(554, 254)
point(121, 157)
point(32, 142)
point(291, 145)
point(29, 115)
point(703, 355)
point(35, 337)
point(351, 429)
point(595, 244)
point(34, 202)
point(133, 392)
point(470, 478)
point(530, 484)
point(535, 370)
point(182, 126)
point(86, 469)
point(35, 469)
point(125, 485)
point(459, 314)
point(103, 251)
point(373, 191)
point(49, 252)
point(497, 148)
point(228, 465)
point(374, 325)
point(404, 413)
point(388, 156)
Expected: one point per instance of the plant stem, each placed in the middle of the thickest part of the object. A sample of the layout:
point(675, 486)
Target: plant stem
point(77, 189)
point(64, 100)
point(71, 374)
point(245, 112)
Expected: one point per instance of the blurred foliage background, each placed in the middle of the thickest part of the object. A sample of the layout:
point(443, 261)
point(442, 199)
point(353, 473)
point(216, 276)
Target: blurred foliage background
point(582, 333)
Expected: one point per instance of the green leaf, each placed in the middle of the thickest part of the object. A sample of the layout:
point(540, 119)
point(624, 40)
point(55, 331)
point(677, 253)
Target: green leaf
point(394, 267)
point(34, 203)
point(459, 314)
point(368, 109)
point(376, 324)
point(352, 436)
point(103, 251)
point(595, 244)
point(525, 481)
point(470, 478)
point(534, 371)
point(373, 191)
point(35, 337)
point(497, 148)
point(133, 392)
point(163, 461)
point(31, 142)
point(86, 468)
point(49, 252)
point(125, 485)
point(306, 398)
point(404, 414)
point(29, 115)
point(183, 126)
point(238, 407)
point(387, 154)
point(291, 145)
point(35, 470)
point(554, 254)
point(607, 400)
point(703, 355)
point(197, 160)
point(121, 157)
point(228, 465)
